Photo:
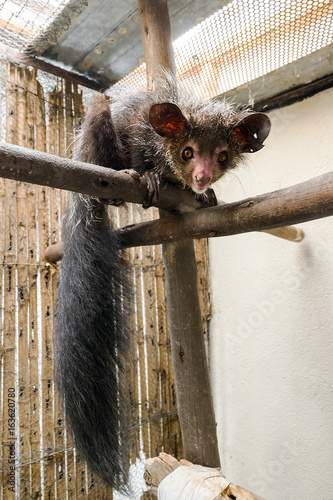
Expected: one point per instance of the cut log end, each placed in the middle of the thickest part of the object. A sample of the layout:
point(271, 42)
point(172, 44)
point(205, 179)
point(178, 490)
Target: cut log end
point(159, 468)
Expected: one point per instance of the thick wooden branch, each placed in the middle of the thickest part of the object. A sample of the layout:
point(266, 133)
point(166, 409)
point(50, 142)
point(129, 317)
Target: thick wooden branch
point(309, 200)
point(27, 165)
point(55, 252)
point(157, 39)
point(159, 468)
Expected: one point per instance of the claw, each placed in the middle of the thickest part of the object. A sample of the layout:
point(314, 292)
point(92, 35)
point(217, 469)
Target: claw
point(153, 189)
point(208, 198)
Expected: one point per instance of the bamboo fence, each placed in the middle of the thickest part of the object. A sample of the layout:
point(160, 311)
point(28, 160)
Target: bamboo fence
point(37, 457)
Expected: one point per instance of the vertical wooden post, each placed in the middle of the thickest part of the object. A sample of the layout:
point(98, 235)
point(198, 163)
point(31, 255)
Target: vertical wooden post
point(194, 398)
point(157, 39)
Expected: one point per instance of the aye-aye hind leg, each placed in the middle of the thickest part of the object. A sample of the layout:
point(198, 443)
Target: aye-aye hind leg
point(98, 141)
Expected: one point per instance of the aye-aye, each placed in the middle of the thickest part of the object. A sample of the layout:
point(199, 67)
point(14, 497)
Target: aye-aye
point(166, 140)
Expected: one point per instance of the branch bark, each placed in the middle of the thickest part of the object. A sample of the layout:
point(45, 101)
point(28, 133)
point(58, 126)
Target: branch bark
point(27, 165)
point(309, 200)
point(157, 39)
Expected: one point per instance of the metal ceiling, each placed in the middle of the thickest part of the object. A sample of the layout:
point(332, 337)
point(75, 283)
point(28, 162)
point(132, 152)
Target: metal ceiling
point(248, 50)
point(104, 41)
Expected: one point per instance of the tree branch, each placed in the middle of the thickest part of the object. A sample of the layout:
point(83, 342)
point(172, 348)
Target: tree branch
point(27, 165)
point(309, 200)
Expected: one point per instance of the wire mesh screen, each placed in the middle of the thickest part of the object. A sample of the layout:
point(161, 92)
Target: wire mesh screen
point(244, 41)
point(37, 456)
point(25, 22)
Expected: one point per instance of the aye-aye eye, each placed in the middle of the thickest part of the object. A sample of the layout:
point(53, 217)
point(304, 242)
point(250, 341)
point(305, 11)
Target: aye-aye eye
point(187, 153)
point(223, 157)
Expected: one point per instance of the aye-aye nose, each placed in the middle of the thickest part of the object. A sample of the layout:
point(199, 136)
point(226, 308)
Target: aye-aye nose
point(202, 179)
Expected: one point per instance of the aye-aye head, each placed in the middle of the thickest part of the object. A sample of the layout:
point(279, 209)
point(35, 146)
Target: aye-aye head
point(202, 146)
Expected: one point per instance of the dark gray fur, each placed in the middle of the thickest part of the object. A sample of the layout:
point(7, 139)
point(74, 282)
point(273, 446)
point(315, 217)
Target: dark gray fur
point(92, 330)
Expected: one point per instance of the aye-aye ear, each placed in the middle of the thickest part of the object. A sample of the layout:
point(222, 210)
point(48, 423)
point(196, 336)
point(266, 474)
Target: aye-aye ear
point(166, 119)
point(251, 132)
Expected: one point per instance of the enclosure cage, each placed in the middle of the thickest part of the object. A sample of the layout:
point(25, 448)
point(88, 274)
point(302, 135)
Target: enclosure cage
point(248, 51)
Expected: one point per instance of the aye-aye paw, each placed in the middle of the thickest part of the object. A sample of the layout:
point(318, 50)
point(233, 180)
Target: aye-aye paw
point(153, 189)
point(208, 198)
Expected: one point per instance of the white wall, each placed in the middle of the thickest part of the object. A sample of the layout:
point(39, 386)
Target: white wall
point(272, 329)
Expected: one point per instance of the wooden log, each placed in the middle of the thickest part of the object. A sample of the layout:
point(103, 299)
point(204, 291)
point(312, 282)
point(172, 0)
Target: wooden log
point(157, 39)
point(192, 477)
point(195, 403)
point(157, 468)
point(233, 492)
point(194, 398)
point(306, 201)
point(26, 165)
point(54, 253)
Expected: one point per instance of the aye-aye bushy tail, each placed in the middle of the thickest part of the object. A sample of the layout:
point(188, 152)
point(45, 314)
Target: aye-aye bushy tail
point(91, 322)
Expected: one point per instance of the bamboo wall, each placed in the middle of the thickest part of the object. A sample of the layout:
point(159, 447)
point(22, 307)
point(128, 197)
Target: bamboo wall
point(37, 457)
